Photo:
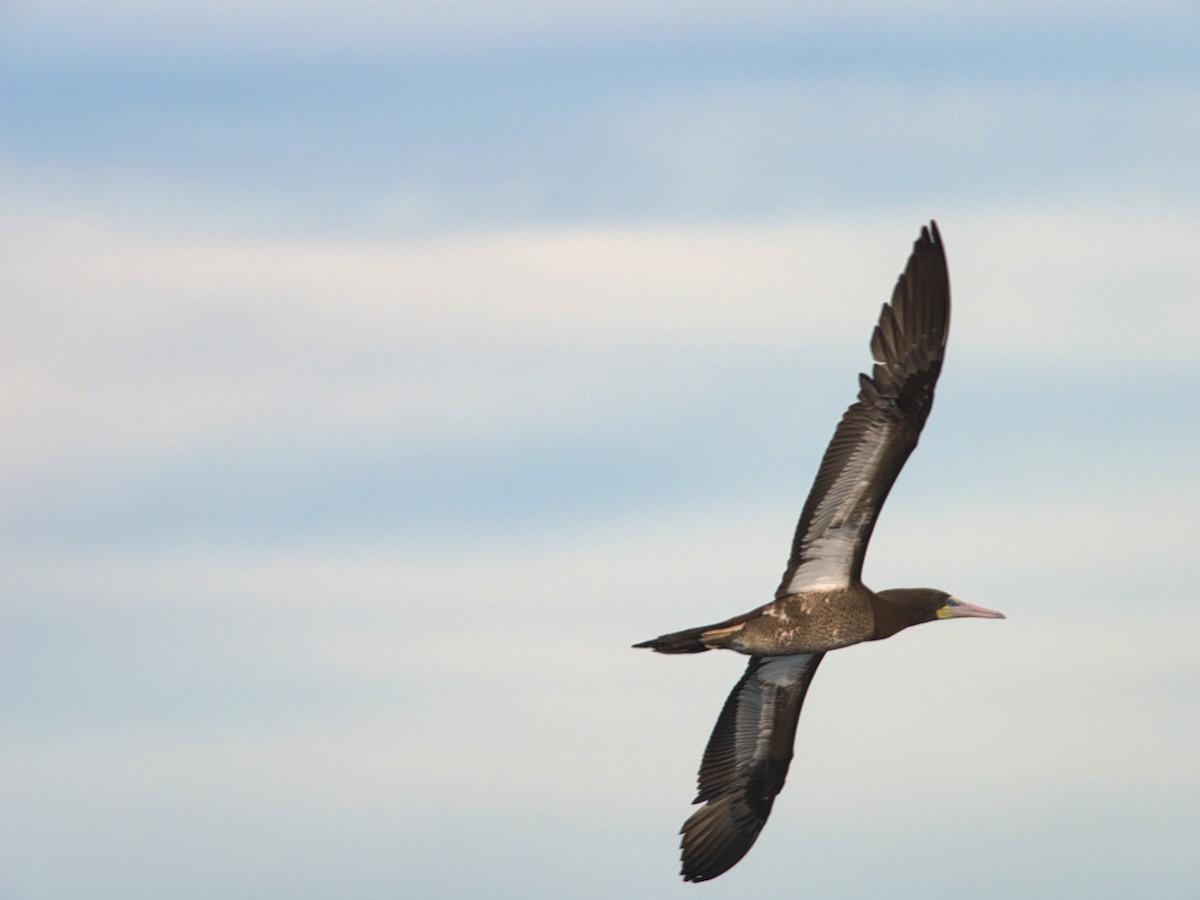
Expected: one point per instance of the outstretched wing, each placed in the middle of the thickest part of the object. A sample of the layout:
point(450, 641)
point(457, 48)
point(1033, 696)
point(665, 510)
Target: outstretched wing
point(879, 431)
point(745, 763)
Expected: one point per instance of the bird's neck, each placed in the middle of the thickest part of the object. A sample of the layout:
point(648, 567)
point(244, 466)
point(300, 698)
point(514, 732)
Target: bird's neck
point(889, 617)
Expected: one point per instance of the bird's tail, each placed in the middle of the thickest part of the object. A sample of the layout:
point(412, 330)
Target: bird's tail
point(688, 641)
point(697, 640)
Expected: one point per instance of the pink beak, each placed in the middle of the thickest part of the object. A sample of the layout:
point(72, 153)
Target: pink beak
point(956, 608)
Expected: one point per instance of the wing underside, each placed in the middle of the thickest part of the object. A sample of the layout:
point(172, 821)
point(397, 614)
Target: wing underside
point(745, 763)
point(879, 431)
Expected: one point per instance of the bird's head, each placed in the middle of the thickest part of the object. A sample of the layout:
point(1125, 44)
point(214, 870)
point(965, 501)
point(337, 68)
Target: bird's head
point(912, 606)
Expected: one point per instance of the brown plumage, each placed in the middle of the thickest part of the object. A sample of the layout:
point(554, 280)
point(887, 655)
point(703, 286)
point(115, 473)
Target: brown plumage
point(821, 603)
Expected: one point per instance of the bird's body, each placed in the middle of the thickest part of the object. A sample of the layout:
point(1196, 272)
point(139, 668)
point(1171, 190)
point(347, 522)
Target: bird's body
point(822, 604)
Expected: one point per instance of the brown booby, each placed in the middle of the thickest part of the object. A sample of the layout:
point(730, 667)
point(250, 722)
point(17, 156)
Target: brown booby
point(822, 604)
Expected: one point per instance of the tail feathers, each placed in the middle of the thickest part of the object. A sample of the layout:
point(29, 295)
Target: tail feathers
point(680, 642)
point(697, 640)
point(706, 637)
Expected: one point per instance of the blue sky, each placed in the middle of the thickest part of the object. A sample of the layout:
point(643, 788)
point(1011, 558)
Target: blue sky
point(376, 375)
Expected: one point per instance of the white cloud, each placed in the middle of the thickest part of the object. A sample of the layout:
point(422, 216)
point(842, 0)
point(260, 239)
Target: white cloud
point(140, 345)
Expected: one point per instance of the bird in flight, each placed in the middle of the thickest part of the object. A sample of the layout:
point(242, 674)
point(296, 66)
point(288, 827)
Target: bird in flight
point(822, 604)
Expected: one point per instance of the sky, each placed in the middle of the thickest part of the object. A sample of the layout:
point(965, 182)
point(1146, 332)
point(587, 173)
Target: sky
point(376, 374)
